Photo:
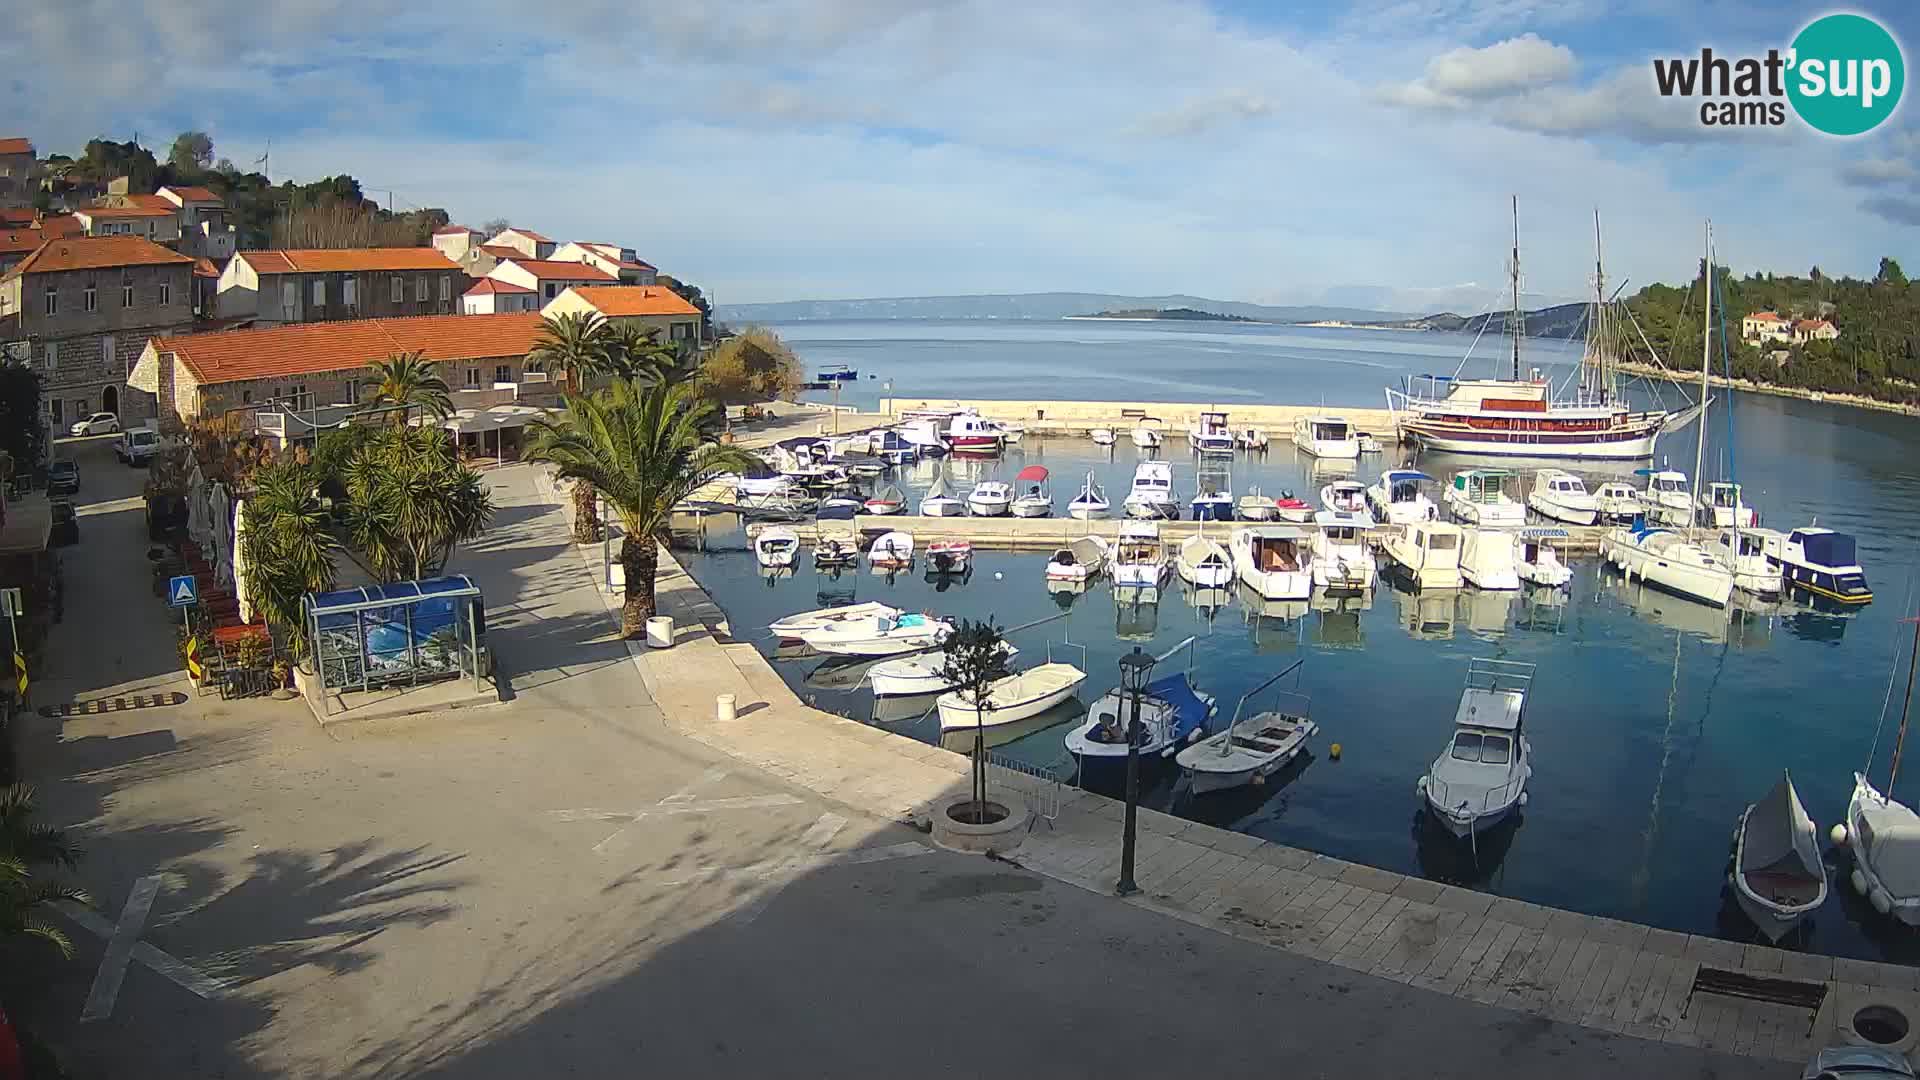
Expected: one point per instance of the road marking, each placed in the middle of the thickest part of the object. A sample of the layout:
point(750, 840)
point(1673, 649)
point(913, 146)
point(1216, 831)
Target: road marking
point(680, 802)
point(711, 776)
point(113, 964)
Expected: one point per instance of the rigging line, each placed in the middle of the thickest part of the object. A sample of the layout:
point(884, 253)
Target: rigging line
point(1726, 368)
point(1893, 668)
point(1641, 874)
point(1657, 362)
point(1486, 318)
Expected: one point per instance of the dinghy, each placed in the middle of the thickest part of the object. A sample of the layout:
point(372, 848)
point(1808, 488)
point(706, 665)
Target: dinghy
point(1036, 498)
point(798, 625)
point(1777, 877)
point(892, 551)
point(990, 498)
point(949, 556)
point(1482, 774)
point(776, 547)
point(907, 676)
point(887, 500)
point(882, 635)
point(1101, 436)
point(1254, 506)
point(1539, 562)
point(1292, 509)
point(1091, 503)
point(1079, 560)
point(1203, 562)
point(939, 501)
point(1255, 745)
point(1012, 699)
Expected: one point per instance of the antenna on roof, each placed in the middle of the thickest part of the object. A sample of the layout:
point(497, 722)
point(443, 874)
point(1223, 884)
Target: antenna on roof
point(265, 161)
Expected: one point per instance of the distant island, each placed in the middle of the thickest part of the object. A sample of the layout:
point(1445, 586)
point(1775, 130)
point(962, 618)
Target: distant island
point(1178, 313)
point(1558, 321)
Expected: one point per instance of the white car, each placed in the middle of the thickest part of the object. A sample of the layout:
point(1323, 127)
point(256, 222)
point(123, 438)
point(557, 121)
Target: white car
point(100, 423)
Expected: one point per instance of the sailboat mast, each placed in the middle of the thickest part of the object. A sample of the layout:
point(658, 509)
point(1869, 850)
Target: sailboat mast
point(1706, 353)
point(1603, 384)
point(1900, 741)
point(1519, 321)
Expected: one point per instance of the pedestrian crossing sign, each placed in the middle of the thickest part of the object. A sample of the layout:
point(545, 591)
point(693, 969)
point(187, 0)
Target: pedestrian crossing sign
point(181, 591)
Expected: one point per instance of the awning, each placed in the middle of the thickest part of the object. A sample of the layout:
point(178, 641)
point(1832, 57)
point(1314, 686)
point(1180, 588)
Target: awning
point(1036, 474)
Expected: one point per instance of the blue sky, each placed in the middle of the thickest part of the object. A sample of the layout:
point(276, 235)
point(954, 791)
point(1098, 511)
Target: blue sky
point(784, 149)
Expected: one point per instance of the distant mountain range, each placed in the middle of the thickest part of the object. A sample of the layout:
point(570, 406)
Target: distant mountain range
point(1057, 305)
point(1558, 321)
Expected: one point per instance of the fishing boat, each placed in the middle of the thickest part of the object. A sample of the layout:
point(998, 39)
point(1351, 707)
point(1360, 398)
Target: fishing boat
point(1146, 433)
point(1487, 560)
point(795, 627)
point(1255, 745)
point(1616, 502)
point(990, 498)
point(887, 500)
point(1397, 499)
point(1273, 560)
point(971, 432)
point(1346, 497)
point(1721, 507)
point(1667, 498)
point(1036, 496)
point(921, 673)
point(1482, 775)
point(838, 373)
point(1210, 502)
point(1479, 497)
point(1101, 436)
point(1012, 699)
point(1777, 876)
point(1172, 714)
point(1152, 493)
point(836, 543)
point(1201, 561)
point(1821, 562)
point(776, 547)
point(893, 551)
point(1539, 562)
point(1562, 496)
point(1744, 553)
point(882, 635)
point(1252, 439)
point(1140, 556)
point(1326, 437)
point(1091, 503)
point(1523, 416)
point(1883, 832)
point(1254, 506)
point(1342, 562)
point(1211, 435)
point(939, 500)
point(1292, 509)
point(1079, 560)
point(949, 556)
point(1428, 553)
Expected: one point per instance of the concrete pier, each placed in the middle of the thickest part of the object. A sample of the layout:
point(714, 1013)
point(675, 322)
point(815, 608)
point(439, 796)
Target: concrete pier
point(1076, 417)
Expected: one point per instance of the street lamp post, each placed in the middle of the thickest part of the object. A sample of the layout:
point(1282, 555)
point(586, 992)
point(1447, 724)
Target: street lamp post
point(1136, 671)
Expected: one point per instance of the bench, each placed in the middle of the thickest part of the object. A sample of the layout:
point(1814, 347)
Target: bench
point(1790, 992)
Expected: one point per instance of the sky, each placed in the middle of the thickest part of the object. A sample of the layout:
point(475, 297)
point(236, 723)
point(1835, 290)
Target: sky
point(1356, 153)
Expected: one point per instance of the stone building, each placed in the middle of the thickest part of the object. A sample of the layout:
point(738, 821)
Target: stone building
point(295, 286)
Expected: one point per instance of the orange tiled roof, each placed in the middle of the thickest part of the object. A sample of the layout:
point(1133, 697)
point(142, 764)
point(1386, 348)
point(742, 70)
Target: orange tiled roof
point(129, 211)
point(313, 348)
point(616, 301)
point(501, 251)
point(529, 234)
point(16, 146)
point(345, 260)
point(1811, 324)
point(448, 230)
point(96, 253)
point(205, 268)
point(494, 285)
point(19, 240)
point(194, 194)
point(1765, 316)
point(561, 271)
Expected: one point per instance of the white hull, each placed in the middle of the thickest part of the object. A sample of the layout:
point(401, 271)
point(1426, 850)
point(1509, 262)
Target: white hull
point(1151, 509)
point(1676, 566)
point(891, 644)
point(1145, 438)
point(793, 626)
point(1016, 698)
point(1558, 511)
point(1276, 584)
point(1401, 513)
point(1462, 823)
point(988, 507)
point(1251, 760)
point(943, 507)
point(1102, 436)
point(1338, 449)
point(1139, 575)
point(1634, 449)
point(1504, 514)
point(1086, 511)
point(1255, 509)
point(1213, 445)
point(1212, 575)
point(883, 508)
point(1025, 509)
point(1351, 571)
point(1904, 908)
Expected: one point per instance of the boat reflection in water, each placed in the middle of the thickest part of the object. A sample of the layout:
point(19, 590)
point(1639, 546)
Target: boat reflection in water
point(1486, 613)
point(1743, 627)
point(1444, 858)
point(1543, 609)
point(1426, 614)
point(1136, 613)
point(1336, 621)
point(1273, 625)
point(1206, 602)
point(946, 579)
point(841, 673)
point(1064, 593)
point(904, 710)
point(960, 740)
point(1243, 808)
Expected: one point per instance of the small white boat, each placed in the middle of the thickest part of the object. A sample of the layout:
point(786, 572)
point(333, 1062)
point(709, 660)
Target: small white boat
point(990, 498)
point(1273, 560)
point(1617, 502)
point(925, 435)
point(1146, 433)
point(1428, 552)
point(1539, 562)
point(1368, 444)
point(949, 556)
point(893, 551)
point(1011, 432)
point(1091, 503)
point(1172, 715)
point(1668, 559)
point(1823, 563)
point(1152, 493)
point(1079, 560)
point(1744, 553)
point(1479, 497)
point(794, 627)
point(939, 500)
point(1346, 497)
point(1211, 435)
point(1014, 698)
point(1396, 498)
point(1342, 562)
point(1254, 746)
point(883, 635)
point(1482, 774)
point(907, 676)
point(1292, 509)
point(1487, 560)
point(1777, 877)
point(1884, 834)
point(1721, 507)
point(836, 542)
point(1252, 439)
point(1562, 496)
point(1666, 500)
point(1139, 556)
point(776, 547)
point(971, 432)
point(1326, 436)
point(1101, 436)
point(868, 470)
point(1201, 561)
point(1036, 497)
point(1254, 506)
point(887, 500)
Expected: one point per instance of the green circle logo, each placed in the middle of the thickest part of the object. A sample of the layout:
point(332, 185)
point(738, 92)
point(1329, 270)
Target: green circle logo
point(1846, 75)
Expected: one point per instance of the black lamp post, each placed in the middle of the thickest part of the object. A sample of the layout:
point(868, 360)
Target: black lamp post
point(1136, 671)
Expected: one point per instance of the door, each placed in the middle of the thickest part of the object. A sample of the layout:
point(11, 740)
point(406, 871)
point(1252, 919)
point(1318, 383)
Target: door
point(110, 400)
point(53, 411)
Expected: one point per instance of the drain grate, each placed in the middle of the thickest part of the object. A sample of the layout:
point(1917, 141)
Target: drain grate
point(99, 706)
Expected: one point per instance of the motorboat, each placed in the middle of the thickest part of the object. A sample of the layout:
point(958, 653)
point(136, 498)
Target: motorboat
point(1292, 509)
point(1211, 435)
point(1152, 493)
point(1017, 697)
point(838, 373)
point(868, 470)
point(1562, 496)
point(1479, 497)
point(1146, 433)
point(1326, 436)
point(972, 432)
point(1252, 439)
point(1744, 553)
point(1482, 774)
point(1487, 560)
point(1539, 562)
point(1617, 502)
point(776, 547)
point(836, 542)
point(841, 506)
point(1101, 436)
point(1036, 496)
point(1172, 715)
point(1346, 497)
point(1210, 503)
point(1429, 554)
point(1254, 745)
point(892, 447)
point(1342, 562)
point(893, 551)
point(1201, 561)
point(1397, 499)
point(1091, 503)
point(1084, 558)
point(949, 556)
point(1777, 876)
point(1011, 432)
point(1721, 507)
point(1669, 560)
point(990, 498)
point(1368, 443)
point(1273, 560)
point(1140, 556)
point(1254, 506)
point(1821, 562)
point(881, 635)
point(921, 673)
point(925, 435)
point(1666, 499)
point(939, 500)
point(795, 627)
point(778, 495)
point(887, 500)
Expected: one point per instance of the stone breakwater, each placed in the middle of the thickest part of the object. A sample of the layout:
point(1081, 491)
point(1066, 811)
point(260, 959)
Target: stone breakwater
point(1077, 417)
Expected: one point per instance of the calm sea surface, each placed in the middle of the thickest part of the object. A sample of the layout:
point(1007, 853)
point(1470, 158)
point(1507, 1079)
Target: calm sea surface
point(1653, 720)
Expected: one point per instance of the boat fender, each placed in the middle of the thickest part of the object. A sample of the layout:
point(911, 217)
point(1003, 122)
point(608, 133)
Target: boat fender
point(1259, 781)
point(1838, 834)
point(1421, 787)
point(1194, 735)
point(1523, 800)
point(1334, 751)
point(1882, 900)
point(1859, 881)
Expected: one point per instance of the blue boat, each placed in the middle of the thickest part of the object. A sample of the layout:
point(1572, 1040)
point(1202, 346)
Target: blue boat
point(841, 373)
point(1172, 715)
point(1821, 562)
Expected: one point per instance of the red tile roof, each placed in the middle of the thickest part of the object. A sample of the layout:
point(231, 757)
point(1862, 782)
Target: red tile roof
point(1765, 316)
point(345, 260)
point(616, 301)
point(205, 268)
point(561, 271)
point(194, 194)
point(129, 211)
point(529, 234)
point(97, 253)
point(313, 348)
point(16, 146)
point(449, 230)
point(501, 251)
point(23, 239)
point(488, 285)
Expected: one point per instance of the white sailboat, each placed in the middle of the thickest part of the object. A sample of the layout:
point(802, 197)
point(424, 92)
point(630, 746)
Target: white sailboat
point(1201, 561)
point(1255, 745)
point(1482, 775)
point(1883, 832)
point(939, 500)
point(1091, 503)
point(1777, 876)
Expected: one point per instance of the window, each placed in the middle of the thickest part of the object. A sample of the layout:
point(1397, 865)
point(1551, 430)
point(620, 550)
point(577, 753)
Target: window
point(166, 293)
point(349, 290)
point(473, 377)
point(246, 397)
point(53, 302)
point(53, 356)
point(53, 410)
point(550, 290)
point(126, 291)
point(320, 293)
point(289, 296)
point(420, 288)
point(106, 351)
point(92, 301)
point(351, 392)
point(503, 373)
point(446, 289)
point(399, 290)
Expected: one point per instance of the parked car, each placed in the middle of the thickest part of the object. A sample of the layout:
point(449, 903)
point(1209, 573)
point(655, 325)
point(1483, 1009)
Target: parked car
point(100, 423)
point(137, 446)
point(66, 523)
point(63, 478)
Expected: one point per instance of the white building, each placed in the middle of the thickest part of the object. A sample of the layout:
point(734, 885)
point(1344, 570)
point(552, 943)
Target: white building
point(491, 296)
point(548, 279)
point(455, 241)
point(526, 242)
point(619, 261)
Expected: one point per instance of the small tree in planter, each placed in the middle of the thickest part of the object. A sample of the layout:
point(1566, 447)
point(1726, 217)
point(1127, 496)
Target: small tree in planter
point(976, 656)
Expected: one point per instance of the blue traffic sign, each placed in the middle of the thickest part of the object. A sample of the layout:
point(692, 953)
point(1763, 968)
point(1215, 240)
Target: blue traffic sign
point(182, 591)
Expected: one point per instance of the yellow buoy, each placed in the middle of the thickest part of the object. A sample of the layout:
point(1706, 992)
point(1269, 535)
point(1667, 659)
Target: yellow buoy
point(1334, 751)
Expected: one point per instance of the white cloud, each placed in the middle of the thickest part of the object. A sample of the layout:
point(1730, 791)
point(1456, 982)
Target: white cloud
point(1504, 67)
point(1201, 115)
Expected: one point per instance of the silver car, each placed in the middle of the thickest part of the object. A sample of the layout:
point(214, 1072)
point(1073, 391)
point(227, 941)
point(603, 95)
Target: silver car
point(100, 423)
point(1858, 1063)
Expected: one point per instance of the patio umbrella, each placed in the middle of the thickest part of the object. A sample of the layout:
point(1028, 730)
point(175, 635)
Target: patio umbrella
point(241, 594)
point(197, 524)
point(220, 510)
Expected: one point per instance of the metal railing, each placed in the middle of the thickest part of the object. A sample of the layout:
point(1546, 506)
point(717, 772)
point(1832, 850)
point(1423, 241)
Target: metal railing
point(1041, 784)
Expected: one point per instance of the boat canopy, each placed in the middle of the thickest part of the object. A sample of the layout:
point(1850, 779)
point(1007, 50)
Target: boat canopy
point(1036, 474)
point(1498, 710)
point(835, 512)
point(1829, 548)
point(1395, 476)
point(1892, 841)
point(1187, 706)
point(1779, 829)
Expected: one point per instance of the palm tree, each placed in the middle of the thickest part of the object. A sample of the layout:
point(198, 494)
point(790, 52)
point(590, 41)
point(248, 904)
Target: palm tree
point(642, 448)
point(575, 343)
point(634, 351)
point(413, 501)
point(408, 379)
point(289, 548)
point(23, 845)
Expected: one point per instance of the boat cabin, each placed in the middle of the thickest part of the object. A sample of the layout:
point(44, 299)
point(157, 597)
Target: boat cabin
point(1153, 481)
point(1481, 485)
point(1823, 562)
point(1139, 543)
point(1554, 482)
point(1033, 480)
point(1331, 429)
point(1492, 707)
point(1435, 543)
point(1342, 528)
point(1215, 423)
point(1403, 485)
point(1668, 482)
point(1277, 550)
